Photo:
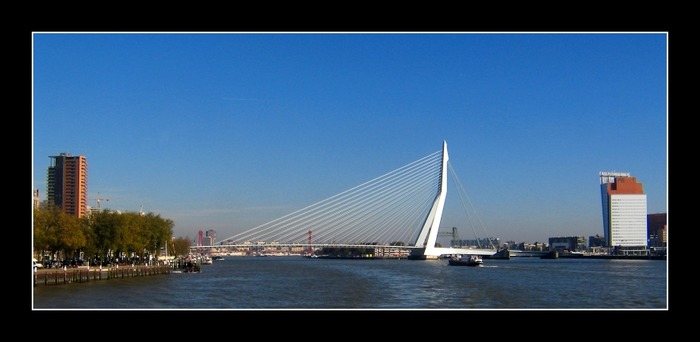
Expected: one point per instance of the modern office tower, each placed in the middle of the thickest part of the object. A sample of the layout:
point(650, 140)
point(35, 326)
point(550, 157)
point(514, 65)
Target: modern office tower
point(67, 184)
point(624, 211)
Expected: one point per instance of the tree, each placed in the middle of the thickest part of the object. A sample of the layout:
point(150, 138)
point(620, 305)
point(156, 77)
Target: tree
point(70, 237)
point(42, 238)
point(157, 232)
point(90, 249)
point(181, 246)
point(57, 232)
point(104, 234)
point(103, 226)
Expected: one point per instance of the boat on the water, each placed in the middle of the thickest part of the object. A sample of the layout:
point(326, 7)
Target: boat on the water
point(466, 260)
point(189, 267)
point(207, 260)
point(189, 264)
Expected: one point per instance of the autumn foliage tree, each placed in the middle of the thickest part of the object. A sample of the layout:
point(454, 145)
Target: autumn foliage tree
point(55, 231)
point(101, 234)
point(181, 245)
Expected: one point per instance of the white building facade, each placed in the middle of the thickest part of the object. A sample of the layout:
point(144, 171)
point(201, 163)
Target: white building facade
point(624, 211)
point(628, 220)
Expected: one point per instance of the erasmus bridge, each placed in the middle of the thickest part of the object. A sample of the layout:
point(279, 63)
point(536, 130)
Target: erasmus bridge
point(400, 208)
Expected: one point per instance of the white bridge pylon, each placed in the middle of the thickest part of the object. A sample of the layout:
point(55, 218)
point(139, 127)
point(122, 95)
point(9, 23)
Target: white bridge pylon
point(425, 245)
point(400, 208)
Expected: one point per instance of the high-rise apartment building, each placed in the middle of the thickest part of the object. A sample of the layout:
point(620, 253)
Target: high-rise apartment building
point(624, 211)
point(66, 180)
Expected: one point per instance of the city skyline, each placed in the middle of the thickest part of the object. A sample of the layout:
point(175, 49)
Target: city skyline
point(230, 131)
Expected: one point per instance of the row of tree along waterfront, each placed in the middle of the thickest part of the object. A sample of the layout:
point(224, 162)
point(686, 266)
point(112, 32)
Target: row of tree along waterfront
point(103, 238)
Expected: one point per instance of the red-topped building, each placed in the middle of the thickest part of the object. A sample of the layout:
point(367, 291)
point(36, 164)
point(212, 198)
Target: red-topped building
point(624, 211)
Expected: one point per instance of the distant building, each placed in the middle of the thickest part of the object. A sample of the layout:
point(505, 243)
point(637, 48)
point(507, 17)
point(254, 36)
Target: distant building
point(570, 243)
point(35, 199)
point(624, 211)
point(656, 229)
point(93, 210)
point(529, 246)
point(596, 241)
point(67, 184)
point(210, 237)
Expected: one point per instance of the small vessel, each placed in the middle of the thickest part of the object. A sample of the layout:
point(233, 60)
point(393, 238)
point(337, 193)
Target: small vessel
point(187, 265)
point(207, 260)
point(468, 260)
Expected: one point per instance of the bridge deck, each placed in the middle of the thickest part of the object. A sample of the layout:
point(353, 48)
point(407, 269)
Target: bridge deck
point(465, 251)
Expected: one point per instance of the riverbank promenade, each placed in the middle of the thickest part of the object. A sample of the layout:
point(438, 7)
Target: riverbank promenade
point(84, 274)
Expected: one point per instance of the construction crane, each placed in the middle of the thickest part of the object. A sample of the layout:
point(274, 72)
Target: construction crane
point(454, 234)
point(99, 200)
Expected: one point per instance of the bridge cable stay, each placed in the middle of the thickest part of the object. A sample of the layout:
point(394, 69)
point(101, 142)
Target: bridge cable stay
point(401, 194)
point(349, 213)
point(462, 193)
point(386, 209)
point(342, 213)
point(341, 218)
point(403, 200)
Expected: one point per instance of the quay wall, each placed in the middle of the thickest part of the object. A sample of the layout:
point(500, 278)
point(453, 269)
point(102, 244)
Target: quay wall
point(87, 274)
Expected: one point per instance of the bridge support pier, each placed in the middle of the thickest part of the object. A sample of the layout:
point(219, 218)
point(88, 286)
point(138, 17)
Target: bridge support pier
point(419, 254)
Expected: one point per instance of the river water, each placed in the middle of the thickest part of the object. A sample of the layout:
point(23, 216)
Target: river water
point(304, 283)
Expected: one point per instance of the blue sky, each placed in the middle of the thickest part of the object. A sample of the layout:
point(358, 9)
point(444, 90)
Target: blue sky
point(227, 131)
